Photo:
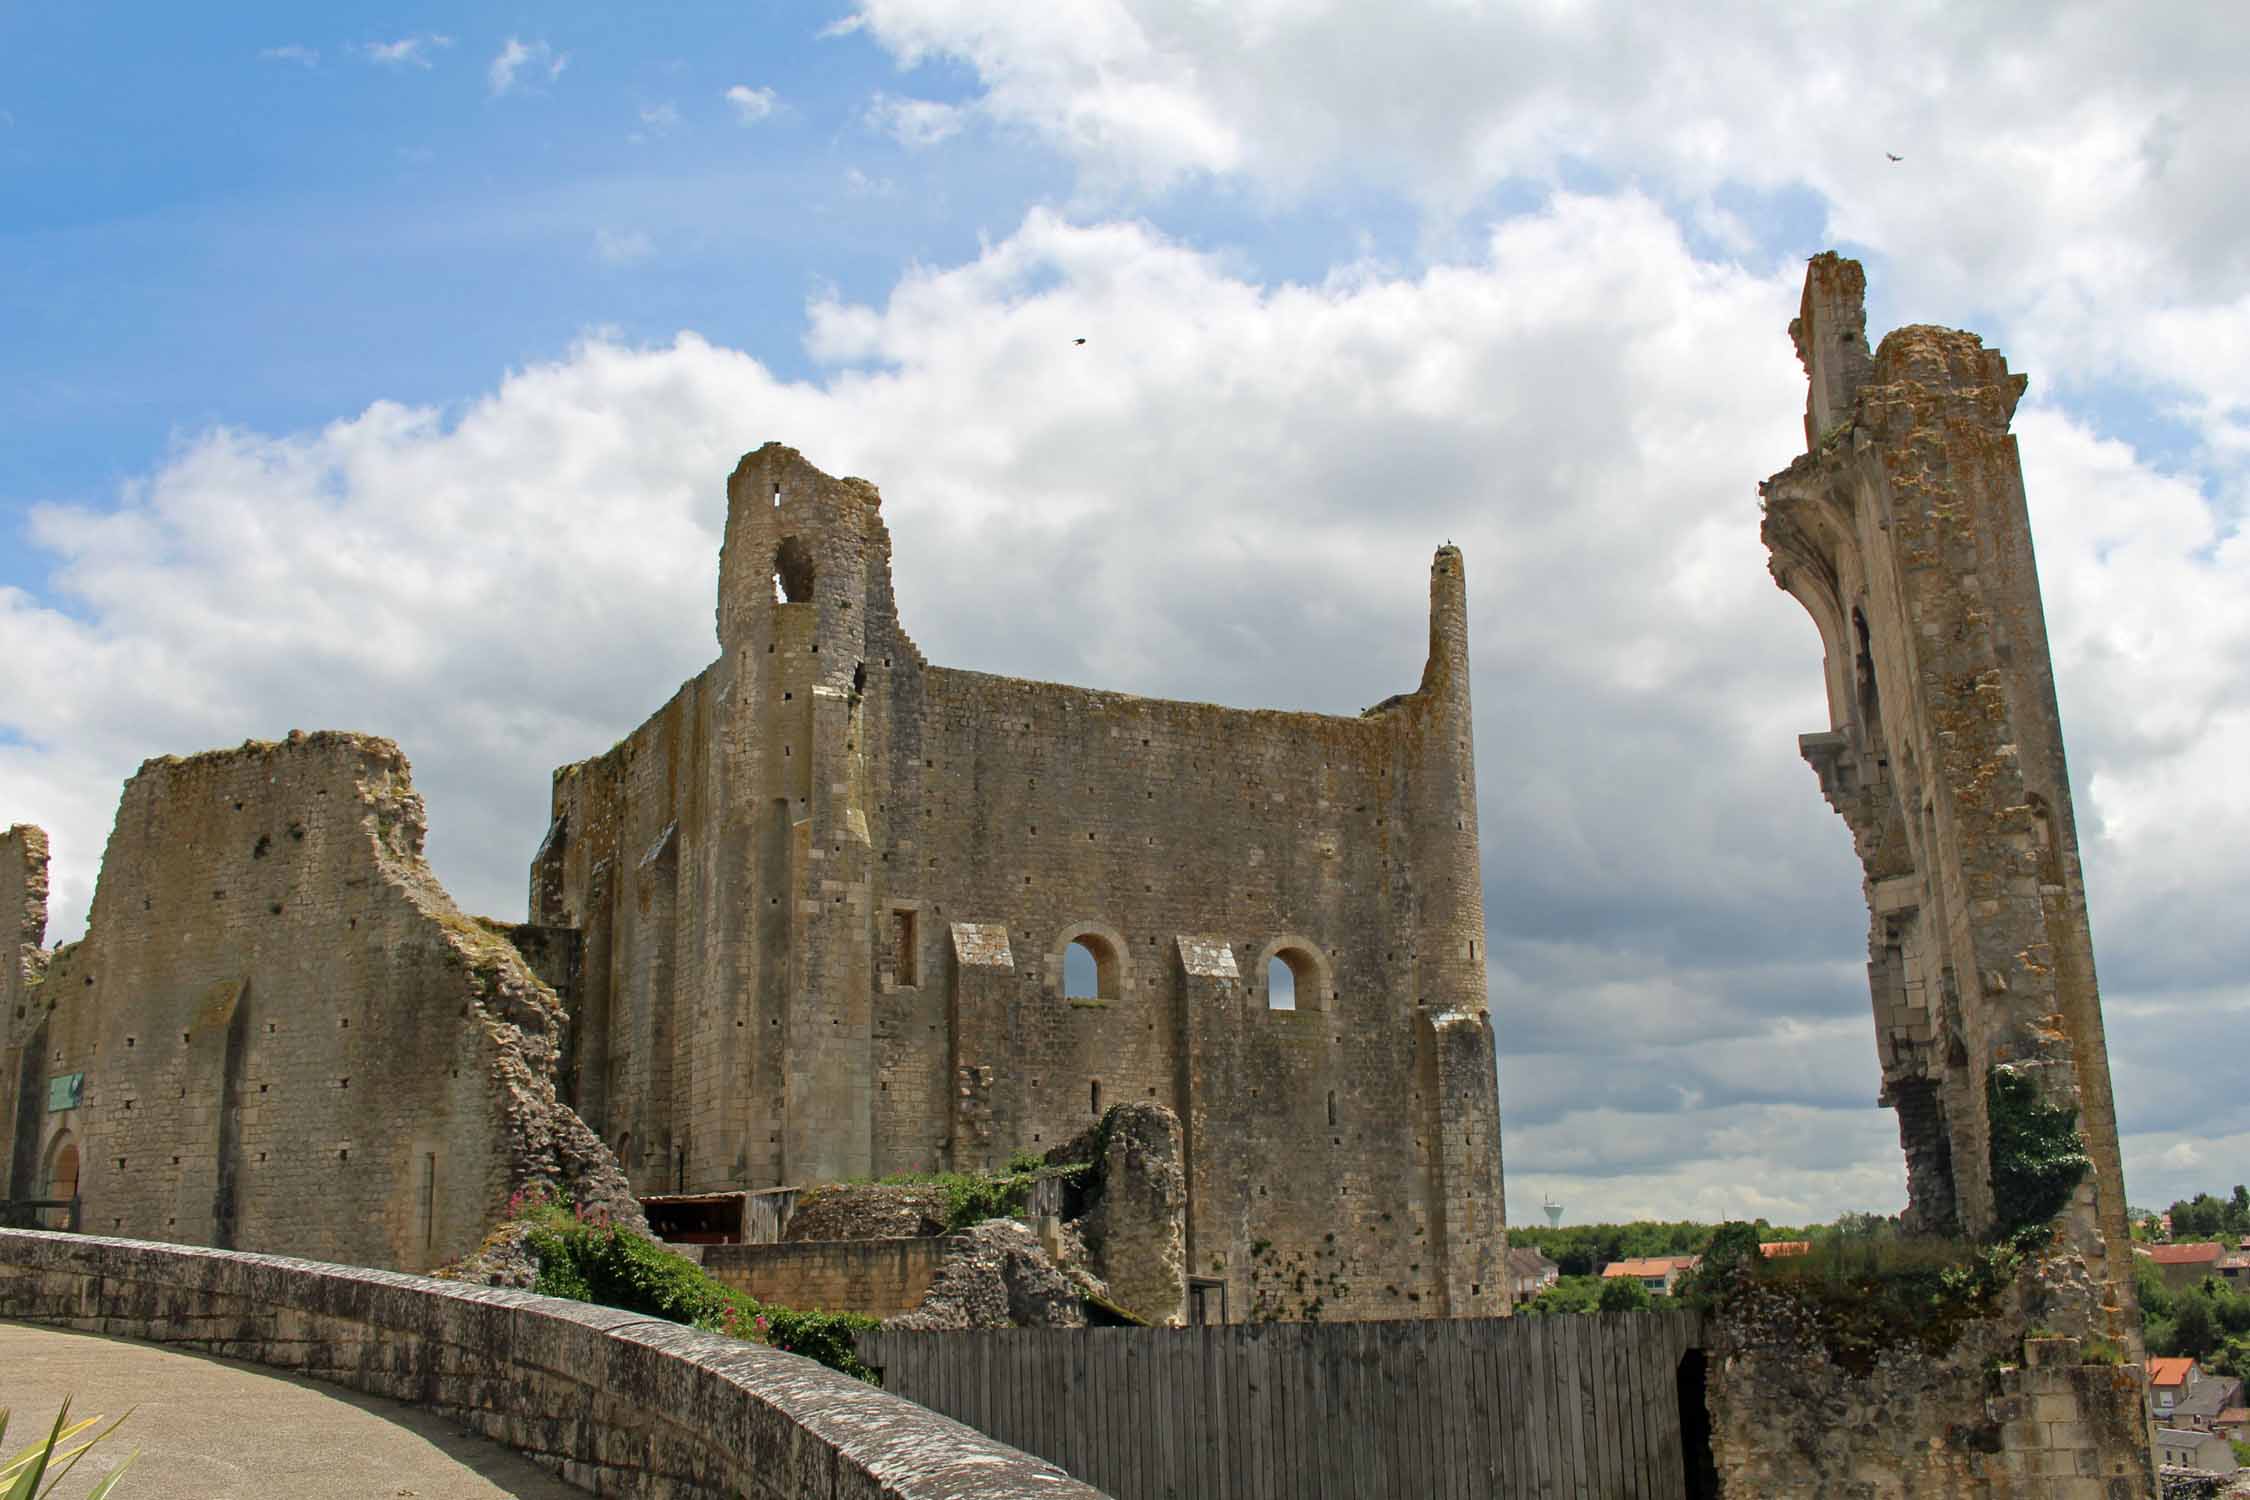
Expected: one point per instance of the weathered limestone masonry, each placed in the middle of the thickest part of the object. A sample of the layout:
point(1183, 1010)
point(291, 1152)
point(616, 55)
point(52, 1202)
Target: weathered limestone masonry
point(875, 1277)
point(826, 893)
point(617, 1403)
point(2000, 1416)
point(1904, 532)
point(279, 1032)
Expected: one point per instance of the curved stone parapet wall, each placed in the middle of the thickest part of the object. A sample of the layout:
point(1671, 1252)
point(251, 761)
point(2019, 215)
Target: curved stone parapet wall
point(615, 1402)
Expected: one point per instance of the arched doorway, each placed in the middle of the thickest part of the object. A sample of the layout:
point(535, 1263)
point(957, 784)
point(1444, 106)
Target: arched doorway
point(61, 1182)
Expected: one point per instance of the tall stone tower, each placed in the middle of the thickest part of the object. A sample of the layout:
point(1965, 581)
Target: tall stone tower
point(1904, 532)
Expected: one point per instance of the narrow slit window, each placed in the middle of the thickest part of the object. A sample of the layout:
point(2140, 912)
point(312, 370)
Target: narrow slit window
point(1094, 1097)
point(903, 949)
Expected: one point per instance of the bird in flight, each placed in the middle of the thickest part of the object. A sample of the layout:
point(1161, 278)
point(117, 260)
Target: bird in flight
point(1894, 158)
point(1078, 341)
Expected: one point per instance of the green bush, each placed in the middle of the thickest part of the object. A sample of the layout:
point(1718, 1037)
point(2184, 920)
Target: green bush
point(1569, 1294)
point(591, 1261)
point(1623, 1294)
point(973, 1197)
point(1862, 1287)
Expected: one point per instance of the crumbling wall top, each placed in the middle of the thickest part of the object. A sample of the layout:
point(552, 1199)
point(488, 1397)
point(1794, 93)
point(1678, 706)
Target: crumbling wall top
point(1830, 331)
point(23, 905)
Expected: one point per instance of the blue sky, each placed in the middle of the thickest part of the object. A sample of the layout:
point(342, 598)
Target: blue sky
point(377, 368)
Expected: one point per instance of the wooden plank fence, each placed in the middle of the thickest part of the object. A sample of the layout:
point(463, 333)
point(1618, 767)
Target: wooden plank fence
point(1561, 1408)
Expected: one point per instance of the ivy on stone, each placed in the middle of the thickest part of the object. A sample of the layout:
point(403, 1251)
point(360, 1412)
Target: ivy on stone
point(2038, 1156)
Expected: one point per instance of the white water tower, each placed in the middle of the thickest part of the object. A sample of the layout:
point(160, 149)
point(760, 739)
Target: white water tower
point(1553, 1211)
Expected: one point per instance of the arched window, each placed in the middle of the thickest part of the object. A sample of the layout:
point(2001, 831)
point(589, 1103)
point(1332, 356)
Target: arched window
point(1293, 973)
point(1088, 964)
point(1281, 984)
point(1082, 973)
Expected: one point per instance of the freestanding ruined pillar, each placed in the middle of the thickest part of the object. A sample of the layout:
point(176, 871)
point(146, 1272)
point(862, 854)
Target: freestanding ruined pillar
point(1903, 530)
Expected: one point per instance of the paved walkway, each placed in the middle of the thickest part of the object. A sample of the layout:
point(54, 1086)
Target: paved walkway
point(218, 1429)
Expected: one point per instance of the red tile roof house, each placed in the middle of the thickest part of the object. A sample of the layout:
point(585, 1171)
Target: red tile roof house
point(2183, 1266)
point(1656, 1272)
point(1776, 1249)
point(2169, 1379)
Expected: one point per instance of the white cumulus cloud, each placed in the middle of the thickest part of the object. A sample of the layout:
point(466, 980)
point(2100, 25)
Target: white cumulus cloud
point(410, 51)
point(515, 56)
point(914, 123)
point(2069, 178)
point(752, 105)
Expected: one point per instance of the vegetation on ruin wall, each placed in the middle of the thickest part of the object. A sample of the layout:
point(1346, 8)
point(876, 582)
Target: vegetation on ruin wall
point(1861, 1292)
point(586, 1260)
point(2038, 1156)
point(1864, 1288)
point(973, 1197)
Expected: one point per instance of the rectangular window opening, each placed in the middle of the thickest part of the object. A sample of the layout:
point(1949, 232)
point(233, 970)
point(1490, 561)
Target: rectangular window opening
point(904, 949)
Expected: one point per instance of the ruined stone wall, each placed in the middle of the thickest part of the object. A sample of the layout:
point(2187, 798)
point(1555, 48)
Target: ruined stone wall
point(291, 1040)
point(1905, 533)
point(825, 896)
point(23, 963)
point(1132, 1217)
point(875, 1277)
point(1997, 1416)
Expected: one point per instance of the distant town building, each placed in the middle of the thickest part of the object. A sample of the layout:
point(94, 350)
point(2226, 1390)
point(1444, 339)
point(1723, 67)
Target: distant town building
point(1659, 1273)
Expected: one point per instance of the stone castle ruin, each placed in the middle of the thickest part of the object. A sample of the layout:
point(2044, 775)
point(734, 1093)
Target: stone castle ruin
point(836, 913)
point(811, 922)
point(1904, 532)
point(279, 1033)
point(825, 898)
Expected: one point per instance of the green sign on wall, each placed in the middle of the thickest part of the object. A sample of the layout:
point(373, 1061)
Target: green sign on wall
point(64, 1090)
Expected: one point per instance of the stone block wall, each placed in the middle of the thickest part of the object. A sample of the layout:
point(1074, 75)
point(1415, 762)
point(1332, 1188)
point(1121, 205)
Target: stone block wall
point(288, 1036)
point(826, 893)
point(1997, 1416)
point(875, 1277)
point(616, 1403)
